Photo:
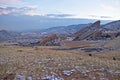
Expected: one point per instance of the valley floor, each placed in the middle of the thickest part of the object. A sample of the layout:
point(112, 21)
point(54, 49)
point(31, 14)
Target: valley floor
point(44, 63)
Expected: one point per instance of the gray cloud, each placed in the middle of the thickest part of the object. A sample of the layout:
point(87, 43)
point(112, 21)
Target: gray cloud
point(105, 17)
point(15, 10)
point(29, 10)
point(11, 1)
point(93, 15)
point(96, 16)
point(59, 15)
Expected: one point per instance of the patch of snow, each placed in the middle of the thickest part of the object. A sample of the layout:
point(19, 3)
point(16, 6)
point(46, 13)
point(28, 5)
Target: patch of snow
point(117, 72)
point(53, 76)
point(77, 67)
point(67, 72)
point(59, 64)
point(110, 71)
point(29, 78)
point(8, 72)
point(104, 79)
point(102, 69)
point(20, 77)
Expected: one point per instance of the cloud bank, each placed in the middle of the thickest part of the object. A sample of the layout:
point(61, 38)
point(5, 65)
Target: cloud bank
point(29, 10)
point(11, 1)
point(59, 15)
point(15, 10)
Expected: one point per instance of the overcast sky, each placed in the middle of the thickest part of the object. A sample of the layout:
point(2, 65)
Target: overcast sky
point(92, 9)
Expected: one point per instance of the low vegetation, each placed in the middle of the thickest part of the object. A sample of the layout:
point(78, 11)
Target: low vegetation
point(115, 43)
point(44, 63)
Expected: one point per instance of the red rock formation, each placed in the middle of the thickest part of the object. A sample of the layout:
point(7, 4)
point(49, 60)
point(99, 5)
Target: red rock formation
point(48, 39)
point(88, 32)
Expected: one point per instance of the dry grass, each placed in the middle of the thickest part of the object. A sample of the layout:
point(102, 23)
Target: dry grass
point(39, 61)
point(74, 44)
point(115, 43)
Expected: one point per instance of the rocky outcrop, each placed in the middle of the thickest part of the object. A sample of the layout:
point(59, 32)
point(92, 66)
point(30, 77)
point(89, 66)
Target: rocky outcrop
point(110, 34)
point(49, 40)
point(111, 30)
point(95, 31)
point(88, 32)
point(113, 26)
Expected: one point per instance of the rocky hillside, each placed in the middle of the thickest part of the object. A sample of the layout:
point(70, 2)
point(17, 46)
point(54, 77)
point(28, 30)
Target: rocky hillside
point(76, 32)
point(90, 31)
point(96, 31)
point(113, 26)
point(6, 35)
point(68, 30)
point(111, 29)
point(61, 31)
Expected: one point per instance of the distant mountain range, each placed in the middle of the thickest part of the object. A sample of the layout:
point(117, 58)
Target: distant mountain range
point(94, 31)
point(81, 31)
point(6, 35)
point(64, 29)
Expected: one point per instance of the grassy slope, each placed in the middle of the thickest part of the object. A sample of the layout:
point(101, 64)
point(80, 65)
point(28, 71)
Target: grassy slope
point(115, 43)
point(39, 61)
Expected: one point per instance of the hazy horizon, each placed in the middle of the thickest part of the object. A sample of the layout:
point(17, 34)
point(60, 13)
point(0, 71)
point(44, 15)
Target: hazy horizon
point(20, 15)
